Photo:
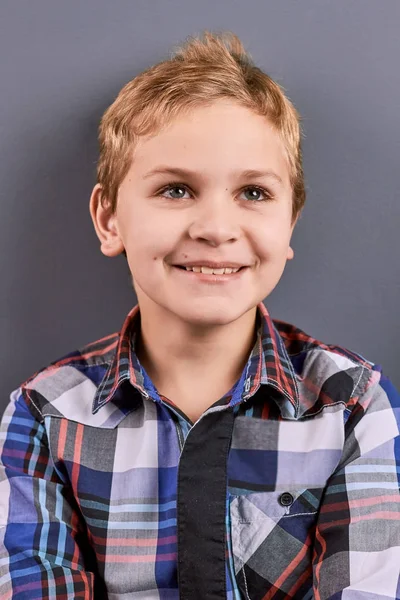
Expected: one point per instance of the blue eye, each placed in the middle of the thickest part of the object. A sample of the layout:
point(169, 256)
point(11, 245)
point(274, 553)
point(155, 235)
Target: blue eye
point(177, 191)
point(255, 193)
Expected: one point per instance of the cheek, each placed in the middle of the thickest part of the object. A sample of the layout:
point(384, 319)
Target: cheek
point(147, 245)
point(271, 241)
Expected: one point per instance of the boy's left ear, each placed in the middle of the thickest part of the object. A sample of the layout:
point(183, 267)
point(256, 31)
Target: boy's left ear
point(290, 252)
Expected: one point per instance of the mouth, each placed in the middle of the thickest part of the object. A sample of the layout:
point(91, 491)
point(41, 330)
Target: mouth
point(211, 270)
point(210, 275)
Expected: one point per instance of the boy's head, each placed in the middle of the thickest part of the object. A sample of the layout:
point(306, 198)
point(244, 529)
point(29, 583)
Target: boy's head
point(200, 162)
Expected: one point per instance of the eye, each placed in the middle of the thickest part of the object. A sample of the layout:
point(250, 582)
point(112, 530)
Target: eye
point(257, 194)
point(174, 191)
point(177, 191)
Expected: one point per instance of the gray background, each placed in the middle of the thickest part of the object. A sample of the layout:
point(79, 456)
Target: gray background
point(62, 63)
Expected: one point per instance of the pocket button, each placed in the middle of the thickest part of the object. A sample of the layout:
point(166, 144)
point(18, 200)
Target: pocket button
point(286, 499)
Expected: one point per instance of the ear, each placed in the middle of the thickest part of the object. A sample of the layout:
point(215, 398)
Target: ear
point(105, 223)
point(290, 252)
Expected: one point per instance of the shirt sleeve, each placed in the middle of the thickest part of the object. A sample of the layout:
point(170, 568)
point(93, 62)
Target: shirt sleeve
point(40, 527)
point(357, 539)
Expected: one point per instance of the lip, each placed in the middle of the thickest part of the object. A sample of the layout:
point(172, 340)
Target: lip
point(209, 277)
point(211, 264)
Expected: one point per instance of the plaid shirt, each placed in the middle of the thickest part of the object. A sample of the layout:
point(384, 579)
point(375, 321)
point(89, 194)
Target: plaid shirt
point(287, 487)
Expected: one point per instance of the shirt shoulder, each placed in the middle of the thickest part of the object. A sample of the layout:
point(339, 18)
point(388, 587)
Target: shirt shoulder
point(300, 343)
point(325, 370)
point(67, 386)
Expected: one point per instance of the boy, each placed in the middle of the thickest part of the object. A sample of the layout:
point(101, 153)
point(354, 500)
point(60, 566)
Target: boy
point(204, 451)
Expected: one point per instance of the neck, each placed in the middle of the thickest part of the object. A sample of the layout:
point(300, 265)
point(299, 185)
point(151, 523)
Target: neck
point(185, 361)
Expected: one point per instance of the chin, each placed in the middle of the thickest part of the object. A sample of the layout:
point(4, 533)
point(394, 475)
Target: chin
point(211, 314)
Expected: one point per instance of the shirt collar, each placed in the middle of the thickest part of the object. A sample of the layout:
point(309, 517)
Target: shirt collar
point(268, 364)
point(124, 365)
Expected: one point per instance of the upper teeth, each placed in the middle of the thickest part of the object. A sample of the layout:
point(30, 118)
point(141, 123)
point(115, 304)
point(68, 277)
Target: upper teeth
point(209, 270)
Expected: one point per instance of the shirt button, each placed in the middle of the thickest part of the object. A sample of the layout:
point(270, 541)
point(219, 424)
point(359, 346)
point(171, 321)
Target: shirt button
point(286, 499)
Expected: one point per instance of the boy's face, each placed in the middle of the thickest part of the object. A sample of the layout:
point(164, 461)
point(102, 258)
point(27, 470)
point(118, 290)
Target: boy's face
point(215, 212)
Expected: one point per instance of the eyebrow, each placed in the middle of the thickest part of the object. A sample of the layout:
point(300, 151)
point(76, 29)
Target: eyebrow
point(247, 174)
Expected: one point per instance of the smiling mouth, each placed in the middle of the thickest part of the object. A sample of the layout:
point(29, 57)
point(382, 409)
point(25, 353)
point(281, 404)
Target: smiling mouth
point(210, 270)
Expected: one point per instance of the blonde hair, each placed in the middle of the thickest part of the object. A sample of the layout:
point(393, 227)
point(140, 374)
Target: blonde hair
point(200, 71)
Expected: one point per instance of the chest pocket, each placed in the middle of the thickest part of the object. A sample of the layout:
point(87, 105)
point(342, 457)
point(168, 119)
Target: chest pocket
point(272, 541)
point(277, 473)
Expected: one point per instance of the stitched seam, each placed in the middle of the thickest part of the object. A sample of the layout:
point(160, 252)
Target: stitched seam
point(50, 368)
point(294, 377)
point(283, 516)
point(358, 381)
point(245, 584)
point(300, 514)
point(180, 436)
point(80, 422)
point(37, 408)
point(323, 408)
point(357, 362)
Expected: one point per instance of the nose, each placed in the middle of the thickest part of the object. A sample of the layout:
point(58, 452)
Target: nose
point(216, 221)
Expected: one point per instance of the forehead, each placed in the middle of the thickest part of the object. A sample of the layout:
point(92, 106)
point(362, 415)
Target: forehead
point(219, 136)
